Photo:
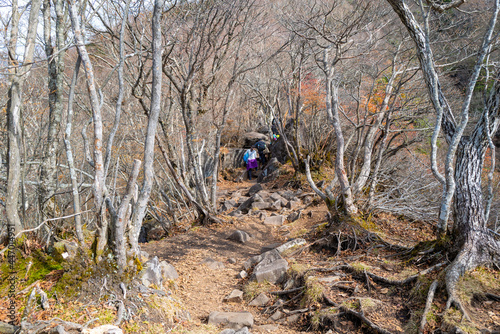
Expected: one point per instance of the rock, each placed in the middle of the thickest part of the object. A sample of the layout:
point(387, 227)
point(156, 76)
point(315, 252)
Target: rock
point(234, 320)
point(236, 213)
point(254, 189)
point(270, 172)
point(276, 197)
point(277, 205)
point(240, 236)
point(168, 271)
point(8, 328)
point(290, 244)
point(231, 260)
point(266, 328)
point(64, 250)
point(143, 256)
point(156, 233)
point(293, 204)
point(242, 274)
point(242, 199)
point(269, 247)
point(260, 206)
point(272, 268)
point(236, 296)
point(270, 255)
point(250, 138)
point(260, 300)
point(104, 329)
point(292, 319)
point(274, 220)
point(244, 330)
point(276, 316)
point(293, 216)
point(228, 205)
point(151, 274)
point(262, 215)
point(213, 264)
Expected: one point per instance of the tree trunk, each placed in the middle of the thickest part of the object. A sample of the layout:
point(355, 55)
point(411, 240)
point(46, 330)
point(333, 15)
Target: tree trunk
point(55, 58)
point(142, 201)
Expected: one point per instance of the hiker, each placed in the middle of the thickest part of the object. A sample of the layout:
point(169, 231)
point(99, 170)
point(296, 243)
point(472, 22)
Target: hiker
point(262, 148)
point(274, 129)
point(250, 158)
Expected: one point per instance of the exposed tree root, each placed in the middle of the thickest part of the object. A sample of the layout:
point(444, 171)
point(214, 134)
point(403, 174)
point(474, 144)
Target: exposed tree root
point(428, 304)
point(406, 281)
point(480, 249)
point(364, 319)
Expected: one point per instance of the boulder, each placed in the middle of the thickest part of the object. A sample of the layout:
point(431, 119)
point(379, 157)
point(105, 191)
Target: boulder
point(234, 320)
point(293, 204)
point(243, 330)
point(274, 220)
point(270, 267)
point(168, 271)
point(64, 250)
point(270, 172)
point(151, 274)
point(260, 300)
point(240, 236)
point(254, 189)
point(250, 138)
point(270, 255)
point(260, 206)
point(236, 296)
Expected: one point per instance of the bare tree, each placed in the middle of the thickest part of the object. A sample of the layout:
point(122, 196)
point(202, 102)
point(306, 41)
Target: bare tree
point(20, 71)
point(471, 242)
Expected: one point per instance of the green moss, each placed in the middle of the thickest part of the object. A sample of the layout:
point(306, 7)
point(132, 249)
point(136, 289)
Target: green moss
point(454, 318)
point(313, 292)
point(359, 267)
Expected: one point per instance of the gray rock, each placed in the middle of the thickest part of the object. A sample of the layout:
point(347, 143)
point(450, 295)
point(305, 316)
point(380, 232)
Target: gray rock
point(254, 189)
point(274, 220)
point(260, 300)
point(236, 296)
point(234, 320)
point(242, 274)
point(244, 330)
point(269, 247)
point(270, 267)
point(276, 197)
point(277, 205)
point(213, 264)
point(290, 244)
point(293, 204)
point(240, 236)
point(261, 206)
point(266, 328)
point(242, 199)
point(168, 271)
point(250, 138)
point(293, 319)
point(262, 215)
point(235, 213)
point(151, 274)
point(231, 260)
point(272, 272)
point(228, 205)
point(270, 255)
point(227, 331)
point(276, 316)
point(293, 216)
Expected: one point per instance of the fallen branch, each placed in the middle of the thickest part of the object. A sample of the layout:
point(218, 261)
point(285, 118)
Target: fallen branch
point(407, 280)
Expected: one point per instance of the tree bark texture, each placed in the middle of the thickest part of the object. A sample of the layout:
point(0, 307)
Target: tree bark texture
point(154, 112)
point(14, 105)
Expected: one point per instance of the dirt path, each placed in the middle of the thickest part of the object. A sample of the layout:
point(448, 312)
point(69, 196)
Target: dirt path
point(201, 288)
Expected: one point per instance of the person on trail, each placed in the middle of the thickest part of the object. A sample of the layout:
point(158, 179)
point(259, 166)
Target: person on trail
point(262, 148)
point(250, 158)
point(274, 129)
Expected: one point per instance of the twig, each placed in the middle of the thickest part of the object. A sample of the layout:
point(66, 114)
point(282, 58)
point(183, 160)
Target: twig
point(428, 304)
point(49, 220)
point(367, 281)
point(285, 292)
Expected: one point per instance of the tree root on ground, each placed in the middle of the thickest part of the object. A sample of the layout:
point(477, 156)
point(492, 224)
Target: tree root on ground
point(364, 319)
point(428, 304)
